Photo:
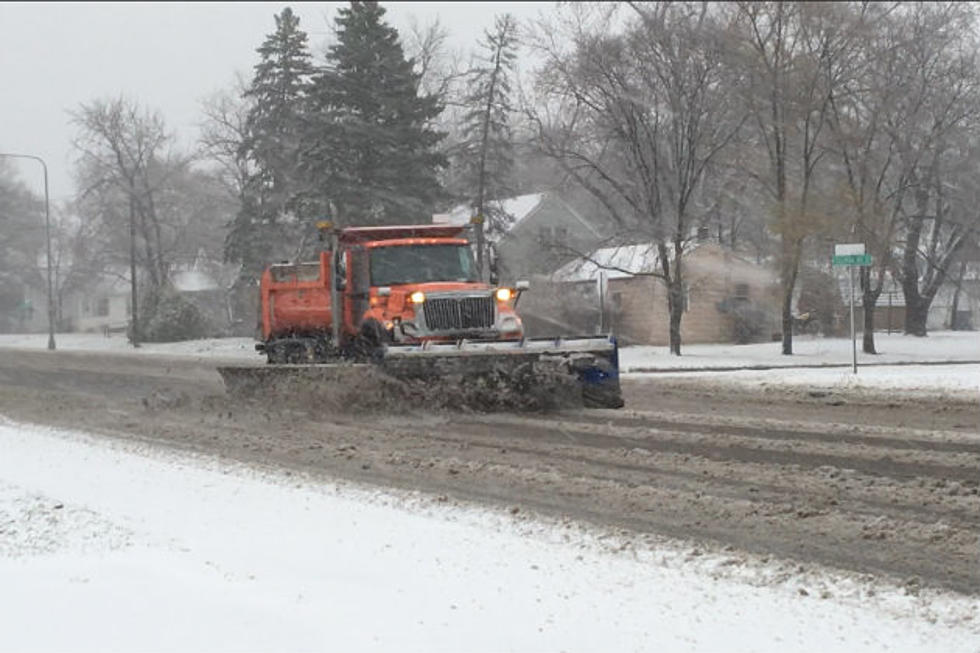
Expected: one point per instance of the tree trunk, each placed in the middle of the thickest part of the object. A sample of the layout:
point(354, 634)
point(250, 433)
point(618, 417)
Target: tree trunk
point(675, 292)
point(916, 310)
point(954, 323)
point(676, 309)
point(869, 297)
point(916, 315)
point(791, 265)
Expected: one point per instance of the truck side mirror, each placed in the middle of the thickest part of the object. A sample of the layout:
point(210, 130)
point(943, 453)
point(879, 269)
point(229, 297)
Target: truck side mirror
point(340, 273)
point(524, 284)
point(492, 266)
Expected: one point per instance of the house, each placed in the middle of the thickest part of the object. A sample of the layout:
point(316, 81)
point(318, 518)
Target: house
point(890, 307)
point(543, 232)
point(207, 284)
point(103, 306)
point(726, 298)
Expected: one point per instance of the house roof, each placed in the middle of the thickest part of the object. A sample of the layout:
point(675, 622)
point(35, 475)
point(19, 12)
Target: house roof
point(617, 262)
point(193, 281)
point(624, 261)
point(518, 208)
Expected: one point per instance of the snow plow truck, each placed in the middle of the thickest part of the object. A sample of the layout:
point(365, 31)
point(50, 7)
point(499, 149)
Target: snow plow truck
point(408, 300)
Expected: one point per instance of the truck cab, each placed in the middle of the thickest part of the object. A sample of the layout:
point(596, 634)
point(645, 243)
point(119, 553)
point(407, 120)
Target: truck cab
point(423, 286)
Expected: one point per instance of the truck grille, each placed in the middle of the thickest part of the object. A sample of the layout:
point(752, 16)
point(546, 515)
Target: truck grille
point(459, 313)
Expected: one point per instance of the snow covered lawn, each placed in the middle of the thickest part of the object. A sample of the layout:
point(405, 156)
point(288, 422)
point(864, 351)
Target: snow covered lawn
point(233, 348)
point(939, 346)
point(117, 546)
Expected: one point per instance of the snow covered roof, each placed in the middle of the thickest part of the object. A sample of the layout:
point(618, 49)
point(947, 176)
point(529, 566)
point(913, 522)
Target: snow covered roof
point(617, 262)
point(518, 208)
point(193, 281)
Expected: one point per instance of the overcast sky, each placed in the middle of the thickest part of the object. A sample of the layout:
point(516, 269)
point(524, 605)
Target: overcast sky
point(167, 56)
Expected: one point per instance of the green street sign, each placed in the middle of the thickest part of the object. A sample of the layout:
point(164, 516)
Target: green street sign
point(853, 259)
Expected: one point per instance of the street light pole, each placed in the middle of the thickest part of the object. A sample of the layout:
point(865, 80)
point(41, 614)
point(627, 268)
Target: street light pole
point(47, 234)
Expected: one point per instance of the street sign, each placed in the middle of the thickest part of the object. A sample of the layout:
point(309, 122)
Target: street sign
point(848, 249)
point(852, 255)
point(863, 260)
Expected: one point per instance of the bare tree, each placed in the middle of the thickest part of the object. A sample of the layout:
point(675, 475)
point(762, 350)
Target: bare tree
point(125, 163)
point(224, 129)
point(937, 147)
point(21, 244)
point(487, 147)
point(637, 116)
point(793, 55)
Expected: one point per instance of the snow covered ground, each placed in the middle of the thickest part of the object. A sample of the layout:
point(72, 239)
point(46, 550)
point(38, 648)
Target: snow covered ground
point(118, 546)
point(223, 348)
point(938, 346)
point(956, 380)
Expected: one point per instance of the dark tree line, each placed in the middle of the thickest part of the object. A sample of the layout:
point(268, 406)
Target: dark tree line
point(349, 139)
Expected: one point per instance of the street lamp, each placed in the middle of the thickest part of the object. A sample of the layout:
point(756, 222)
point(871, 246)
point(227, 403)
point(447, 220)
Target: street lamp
point(47, 233)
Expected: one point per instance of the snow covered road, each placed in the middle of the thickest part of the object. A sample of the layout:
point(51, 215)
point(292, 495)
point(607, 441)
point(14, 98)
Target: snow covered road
point(120, 546)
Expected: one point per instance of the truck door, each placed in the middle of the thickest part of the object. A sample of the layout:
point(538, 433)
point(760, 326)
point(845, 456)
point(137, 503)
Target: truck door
point(359, 288)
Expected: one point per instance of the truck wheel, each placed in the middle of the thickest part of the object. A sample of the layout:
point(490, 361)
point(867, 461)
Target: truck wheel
point(371, 341)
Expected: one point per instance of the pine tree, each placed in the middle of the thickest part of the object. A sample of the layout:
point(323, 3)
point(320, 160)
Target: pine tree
point(372, 154)
point(265, 228)
point(487, 151)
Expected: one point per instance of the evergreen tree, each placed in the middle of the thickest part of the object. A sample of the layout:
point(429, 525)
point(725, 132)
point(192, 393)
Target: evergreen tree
point(265, 228)
point(372, 154)
point(487, 151)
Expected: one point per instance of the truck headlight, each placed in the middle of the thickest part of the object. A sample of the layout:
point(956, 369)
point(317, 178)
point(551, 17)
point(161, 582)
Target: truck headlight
point(417, 297)
point(504, 294)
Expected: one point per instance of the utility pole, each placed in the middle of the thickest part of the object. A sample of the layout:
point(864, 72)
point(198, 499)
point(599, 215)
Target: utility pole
point(135, 328)
point(47, 234)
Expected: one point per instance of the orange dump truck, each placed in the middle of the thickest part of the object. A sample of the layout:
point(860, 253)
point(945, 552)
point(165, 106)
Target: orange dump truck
point(408, 284)
point(410, 299)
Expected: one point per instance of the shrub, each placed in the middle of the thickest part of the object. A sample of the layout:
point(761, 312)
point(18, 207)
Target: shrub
point(168, 317)
point(749, 323)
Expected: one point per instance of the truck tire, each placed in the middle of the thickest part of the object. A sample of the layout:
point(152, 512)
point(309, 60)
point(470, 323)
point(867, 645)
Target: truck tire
point(370, 342)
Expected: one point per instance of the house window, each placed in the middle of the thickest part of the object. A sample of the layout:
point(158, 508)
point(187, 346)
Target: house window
point(741, 292)
point(102, 308)
point(553, 234)
point(86, 306)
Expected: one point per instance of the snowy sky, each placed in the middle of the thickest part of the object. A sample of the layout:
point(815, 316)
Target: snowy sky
point(168, 56)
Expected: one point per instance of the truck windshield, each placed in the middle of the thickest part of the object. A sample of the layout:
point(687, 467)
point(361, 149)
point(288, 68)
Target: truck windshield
point(421, 264)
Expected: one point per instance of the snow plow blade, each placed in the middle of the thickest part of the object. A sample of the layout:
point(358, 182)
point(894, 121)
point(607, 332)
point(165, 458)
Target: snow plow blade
point(495, 375)
point(592, 361)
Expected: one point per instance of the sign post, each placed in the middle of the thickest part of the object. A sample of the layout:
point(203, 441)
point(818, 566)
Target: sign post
point(852, 255)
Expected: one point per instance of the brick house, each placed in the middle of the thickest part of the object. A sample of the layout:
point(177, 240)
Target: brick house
point(727, 298)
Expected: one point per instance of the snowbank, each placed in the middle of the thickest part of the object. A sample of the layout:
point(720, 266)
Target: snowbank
point(117, 546)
